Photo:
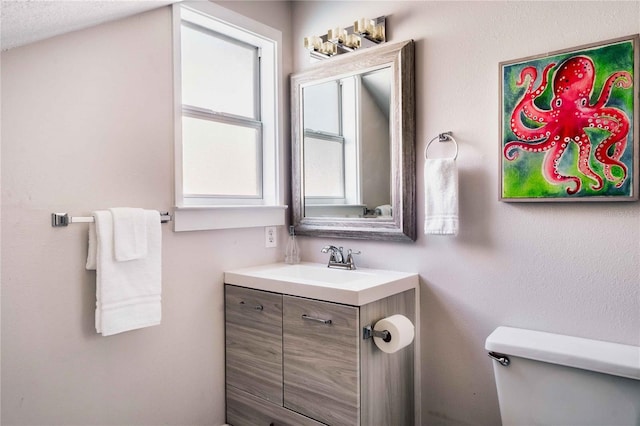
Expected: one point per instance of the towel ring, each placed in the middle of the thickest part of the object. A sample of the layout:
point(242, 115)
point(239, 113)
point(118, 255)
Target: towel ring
point(443, 137)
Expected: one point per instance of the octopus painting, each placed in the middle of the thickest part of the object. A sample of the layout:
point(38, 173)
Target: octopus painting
point(578, 128)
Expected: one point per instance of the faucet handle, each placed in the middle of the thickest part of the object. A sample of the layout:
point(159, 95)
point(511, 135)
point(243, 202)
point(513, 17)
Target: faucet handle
point(349, 261)
point(335, 254)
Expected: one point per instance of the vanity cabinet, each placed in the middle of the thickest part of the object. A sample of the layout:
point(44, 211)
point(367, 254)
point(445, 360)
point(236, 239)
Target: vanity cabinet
point(299, 361)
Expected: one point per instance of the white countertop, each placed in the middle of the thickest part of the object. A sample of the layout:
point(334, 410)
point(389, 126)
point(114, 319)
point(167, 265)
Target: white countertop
point(316, 281)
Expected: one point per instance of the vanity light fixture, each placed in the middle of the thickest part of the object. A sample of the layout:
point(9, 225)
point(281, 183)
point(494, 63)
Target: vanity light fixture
point(364, 33)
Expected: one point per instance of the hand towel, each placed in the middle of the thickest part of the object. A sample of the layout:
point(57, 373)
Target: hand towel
point(128, 294)
point(441, 196)
point(129, 233)
point(385, 210)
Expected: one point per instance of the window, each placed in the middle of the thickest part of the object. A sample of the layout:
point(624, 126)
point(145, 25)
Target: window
point(227, 140)
point(323, 143)
point(331, 143)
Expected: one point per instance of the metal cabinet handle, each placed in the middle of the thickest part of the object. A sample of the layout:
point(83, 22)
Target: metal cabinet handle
point(257, 307)
point(323, 321)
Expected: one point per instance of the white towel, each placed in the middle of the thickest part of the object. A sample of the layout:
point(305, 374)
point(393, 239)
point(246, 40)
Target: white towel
point(128, 294)
point(441, 196)
point(129, 233)
point(385, 210)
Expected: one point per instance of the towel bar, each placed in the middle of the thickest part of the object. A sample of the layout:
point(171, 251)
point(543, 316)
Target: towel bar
point(443, 137)
point(63, 219)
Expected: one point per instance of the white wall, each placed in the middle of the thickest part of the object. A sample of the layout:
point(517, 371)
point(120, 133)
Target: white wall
point(375, 154)
point(565, 268)
point(87, 125)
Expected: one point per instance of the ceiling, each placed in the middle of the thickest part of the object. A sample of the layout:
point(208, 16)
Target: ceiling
point(28, 21)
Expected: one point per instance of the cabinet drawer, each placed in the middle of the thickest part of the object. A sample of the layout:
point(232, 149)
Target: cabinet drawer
point(246, 410)
point(253, 335)
point(321, 364)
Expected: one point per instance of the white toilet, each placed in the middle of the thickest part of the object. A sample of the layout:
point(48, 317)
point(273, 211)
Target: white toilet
point(551, 379)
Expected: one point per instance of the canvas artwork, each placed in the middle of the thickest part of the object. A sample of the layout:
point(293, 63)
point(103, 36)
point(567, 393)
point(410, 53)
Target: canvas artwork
point(569, 124)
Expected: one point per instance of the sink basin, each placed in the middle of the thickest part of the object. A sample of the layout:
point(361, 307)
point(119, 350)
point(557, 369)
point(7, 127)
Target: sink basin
point(306, 272)
point(316, 281)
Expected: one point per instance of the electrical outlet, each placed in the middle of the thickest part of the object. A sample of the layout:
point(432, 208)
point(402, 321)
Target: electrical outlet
point(270, 237)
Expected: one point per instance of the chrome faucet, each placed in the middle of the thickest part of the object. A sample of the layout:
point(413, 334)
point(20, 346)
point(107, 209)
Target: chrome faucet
point(336, 255)
point(337, 258)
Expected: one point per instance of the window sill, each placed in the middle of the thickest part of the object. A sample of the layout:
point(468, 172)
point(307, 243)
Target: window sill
point(201, 218)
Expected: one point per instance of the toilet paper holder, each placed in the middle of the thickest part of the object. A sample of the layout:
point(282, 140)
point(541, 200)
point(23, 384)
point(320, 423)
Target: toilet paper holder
point(368, 332)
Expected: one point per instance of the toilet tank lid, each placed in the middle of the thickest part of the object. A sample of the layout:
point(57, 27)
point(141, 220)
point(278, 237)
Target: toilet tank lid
point(594, 355)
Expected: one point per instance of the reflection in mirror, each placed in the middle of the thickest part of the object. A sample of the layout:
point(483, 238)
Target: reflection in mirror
point(347, 154)
point(353, 154)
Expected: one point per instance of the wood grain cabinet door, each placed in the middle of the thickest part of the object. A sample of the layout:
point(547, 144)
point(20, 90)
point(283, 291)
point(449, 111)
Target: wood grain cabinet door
point(321, 360)
point(246, 410)
point(253, 328)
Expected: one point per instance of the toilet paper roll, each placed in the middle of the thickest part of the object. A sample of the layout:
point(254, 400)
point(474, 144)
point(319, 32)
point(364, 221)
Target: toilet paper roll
point(402, 333)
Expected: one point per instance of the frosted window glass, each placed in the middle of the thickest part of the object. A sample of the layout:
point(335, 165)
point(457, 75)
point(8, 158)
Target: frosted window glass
point(220, 159)
point(322, 107)
point(323, 168)
point(218, 74)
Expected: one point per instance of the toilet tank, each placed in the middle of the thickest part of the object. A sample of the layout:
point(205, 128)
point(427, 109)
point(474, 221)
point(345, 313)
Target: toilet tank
point(553, 379)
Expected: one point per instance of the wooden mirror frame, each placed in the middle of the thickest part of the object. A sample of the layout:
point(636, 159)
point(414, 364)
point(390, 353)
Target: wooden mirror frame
point(402, 224)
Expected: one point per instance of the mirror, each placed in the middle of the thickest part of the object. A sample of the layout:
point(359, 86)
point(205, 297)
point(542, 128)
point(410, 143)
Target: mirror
point(353, 145)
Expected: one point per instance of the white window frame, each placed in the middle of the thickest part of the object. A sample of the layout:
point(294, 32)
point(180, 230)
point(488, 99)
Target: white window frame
point(209, 213)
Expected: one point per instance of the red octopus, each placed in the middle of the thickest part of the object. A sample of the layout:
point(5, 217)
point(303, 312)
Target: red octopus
point(565, 123)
